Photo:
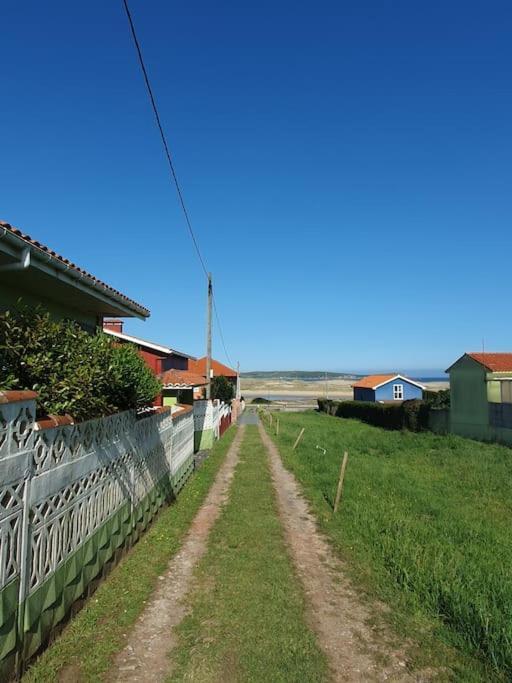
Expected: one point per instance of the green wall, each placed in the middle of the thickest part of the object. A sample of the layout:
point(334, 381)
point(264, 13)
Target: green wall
point(472, 388)
point(173, 396)
point(204, 440)
point(469, 415)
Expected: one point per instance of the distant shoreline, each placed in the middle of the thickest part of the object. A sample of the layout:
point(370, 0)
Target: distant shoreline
point(302, 390)
point(345, 377)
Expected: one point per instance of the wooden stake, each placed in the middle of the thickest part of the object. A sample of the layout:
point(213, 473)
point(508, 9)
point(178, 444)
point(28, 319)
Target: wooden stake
point(340, 482)
point(277, 426)
point(298, 438)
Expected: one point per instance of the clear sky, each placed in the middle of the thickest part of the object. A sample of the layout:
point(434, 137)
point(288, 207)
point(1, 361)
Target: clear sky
point(347, 167)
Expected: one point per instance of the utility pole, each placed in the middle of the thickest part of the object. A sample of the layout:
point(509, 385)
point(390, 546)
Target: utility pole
point(209, 339)
point(237, 380)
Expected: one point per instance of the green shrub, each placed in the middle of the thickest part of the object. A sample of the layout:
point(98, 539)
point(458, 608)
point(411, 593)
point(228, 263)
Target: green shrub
point(134, 384)
point(437, 399)
point(387, 415)
point(412, 415)
point(222, 389)
point(73, 372)
point(415, 415)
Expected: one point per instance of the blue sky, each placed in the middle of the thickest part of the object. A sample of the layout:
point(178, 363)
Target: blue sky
point(347, 168)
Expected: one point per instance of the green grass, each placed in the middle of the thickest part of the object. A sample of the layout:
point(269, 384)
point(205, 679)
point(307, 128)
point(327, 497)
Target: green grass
point(247, 613)
point(85, 648)
point(426, 524)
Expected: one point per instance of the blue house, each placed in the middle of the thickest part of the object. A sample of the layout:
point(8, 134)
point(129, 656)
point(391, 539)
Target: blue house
point(383, 388)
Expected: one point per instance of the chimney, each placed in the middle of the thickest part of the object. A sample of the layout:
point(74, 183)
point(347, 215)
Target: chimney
point(114, 325)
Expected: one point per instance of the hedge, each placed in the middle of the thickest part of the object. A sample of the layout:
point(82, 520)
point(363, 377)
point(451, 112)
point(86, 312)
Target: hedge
point(411, 415)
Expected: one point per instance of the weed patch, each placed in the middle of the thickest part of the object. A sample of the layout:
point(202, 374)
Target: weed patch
point(425, 524)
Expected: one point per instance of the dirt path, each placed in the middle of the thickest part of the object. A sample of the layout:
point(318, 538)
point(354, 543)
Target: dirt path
point(145, 657)
point(355, 650)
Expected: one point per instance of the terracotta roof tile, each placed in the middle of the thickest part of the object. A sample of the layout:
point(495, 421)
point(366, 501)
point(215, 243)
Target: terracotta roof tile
point(199, 366)
point(43, 248)
point(372, 381)
point(182, 378)
point(495, 362)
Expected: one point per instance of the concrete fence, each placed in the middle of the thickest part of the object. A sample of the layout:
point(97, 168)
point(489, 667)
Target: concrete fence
point(211, 419)
point(71, 498)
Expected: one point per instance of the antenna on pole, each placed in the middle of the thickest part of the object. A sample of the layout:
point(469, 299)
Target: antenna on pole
point(209, 340)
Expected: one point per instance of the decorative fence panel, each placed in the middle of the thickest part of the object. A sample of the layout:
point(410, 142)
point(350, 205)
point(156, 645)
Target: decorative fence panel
point(71, 498)
point(211, 419)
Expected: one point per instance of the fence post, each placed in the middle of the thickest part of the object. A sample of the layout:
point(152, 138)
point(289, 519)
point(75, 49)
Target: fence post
point(340, 481)
point(25, 564)
point(298, 438)
point(277, 426)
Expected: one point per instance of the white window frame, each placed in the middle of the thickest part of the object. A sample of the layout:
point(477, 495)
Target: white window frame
point(398, 392)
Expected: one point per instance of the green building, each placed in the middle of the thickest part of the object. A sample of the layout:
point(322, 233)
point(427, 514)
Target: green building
point(481, 396)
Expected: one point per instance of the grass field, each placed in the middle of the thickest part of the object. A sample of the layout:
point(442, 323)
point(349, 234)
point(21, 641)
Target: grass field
point(425, 524)
point(84, 650)
point(247, 611)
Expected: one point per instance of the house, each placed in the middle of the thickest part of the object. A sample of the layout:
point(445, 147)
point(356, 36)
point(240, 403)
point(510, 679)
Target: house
point(217, 368)
point(158, 357)
point(37, 275)
point(181, 386)
point(481, 396)
point(383, 388)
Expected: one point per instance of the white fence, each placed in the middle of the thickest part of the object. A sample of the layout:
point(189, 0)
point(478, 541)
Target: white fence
point(71, 498)
point(211, 419)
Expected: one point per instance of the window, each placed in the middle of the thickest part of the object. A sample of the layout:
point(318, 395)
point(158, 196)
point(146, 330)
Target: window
point(506, 391)
point(398, 392)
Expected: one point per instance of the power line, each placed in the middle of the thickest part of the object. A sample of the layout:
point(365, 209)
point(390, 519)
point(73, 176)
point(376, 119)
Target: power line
point(171, 165)
point(162, 135)
point(220, 331)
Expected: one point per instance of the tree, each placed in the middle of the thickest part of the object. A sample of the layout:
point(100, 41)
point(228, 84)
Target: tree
point(222, 389)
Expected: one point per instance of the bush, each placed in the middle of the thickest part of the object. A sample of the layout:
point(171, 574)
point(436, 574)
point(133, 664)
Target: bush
point(412, 415)
point(415, 415)
point(222, 389)
point(73, 372)
point(437, 399)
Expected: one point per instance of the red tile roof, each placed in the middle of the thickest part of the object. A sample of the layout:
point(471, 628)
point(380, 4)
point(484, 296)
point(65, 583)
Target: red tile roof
point(72, 266)
point(495, 362)
point(372, 381)
point(182, 378)
point(199, 366)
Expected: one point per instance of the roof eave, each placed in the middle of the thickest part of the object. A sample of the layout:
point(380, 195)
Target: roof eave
point(468, 355)
point(52, 265)
point(149, 345)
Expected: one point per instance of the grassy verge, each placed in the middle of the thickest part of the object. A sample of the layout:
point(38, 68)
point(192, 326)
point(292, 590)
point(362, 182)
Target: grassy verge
point(425, 524)
point(87, 644)
point(247, 612)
